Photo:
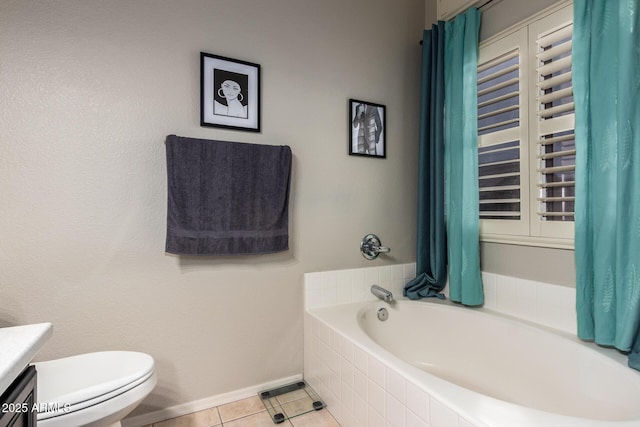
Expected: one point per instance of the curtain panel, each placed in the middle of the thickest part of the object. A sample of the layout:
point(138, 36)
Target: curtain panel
point(461, 158)
point(431, 247)
point(606, 82)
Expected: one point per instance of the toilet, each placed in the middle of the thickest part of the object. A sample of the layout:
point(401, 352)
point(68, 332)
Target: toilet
point(94, 389)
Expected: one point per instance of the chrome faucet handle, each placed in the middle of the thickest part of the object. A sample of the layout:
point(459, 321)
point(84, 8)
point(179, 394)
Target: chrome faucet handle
point(371, 247)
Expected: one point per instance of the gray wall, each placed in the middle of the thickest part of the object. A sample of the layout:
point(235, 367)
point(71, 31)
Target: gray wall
point(501, 14)
point(89, 91)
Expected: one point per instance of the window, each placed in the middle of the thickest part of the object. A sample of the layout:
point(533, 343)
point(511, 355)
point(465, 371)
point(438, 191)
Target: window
point(526, 151)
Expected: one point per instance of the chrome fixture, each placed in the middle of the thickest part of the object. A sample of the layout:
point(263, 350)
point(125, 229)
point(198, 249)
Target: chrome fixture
point(383, 314)
point(371, 247)
point(382, 293)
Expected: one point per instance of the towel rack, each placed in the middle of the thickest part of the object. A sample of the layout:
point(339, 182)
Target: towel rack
point(371, 247)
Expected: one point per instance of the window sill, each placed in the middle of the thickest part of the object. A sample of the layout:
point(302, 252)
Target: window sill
point(544, 242)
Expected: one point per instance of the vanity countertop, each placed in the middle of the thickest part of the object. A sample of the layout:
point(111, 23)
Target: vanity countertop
point(18, 346)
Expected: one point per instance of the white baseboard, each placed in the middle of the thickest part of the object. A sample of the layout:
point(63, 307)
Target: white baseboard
point(208, 402)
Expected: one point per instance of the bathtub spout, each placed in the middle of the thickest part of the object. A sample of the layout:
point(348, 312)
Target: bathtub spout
point(382, 293)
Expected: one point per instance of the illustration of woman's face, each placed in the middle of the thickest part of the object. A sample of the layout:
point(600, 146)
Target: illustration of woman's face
point(230, 89)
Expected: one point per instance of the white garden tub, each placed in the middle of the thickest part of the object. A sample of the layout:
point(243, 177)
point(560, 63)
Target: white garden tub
point(471, 367)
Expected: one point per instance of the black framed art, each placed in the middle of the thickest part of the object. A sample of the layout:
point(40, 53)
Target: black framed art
point(367, 129)
point(229, 93)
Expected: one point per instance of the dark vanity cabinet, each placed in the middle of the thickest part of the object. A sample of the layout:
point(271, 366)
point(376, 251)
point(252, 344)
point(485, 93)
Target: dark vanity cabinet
point(18, 402)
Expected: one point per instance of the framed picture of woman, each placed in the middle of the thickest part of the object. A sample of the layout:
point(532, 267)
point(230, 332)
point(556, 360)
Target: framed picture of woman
point(229, 93)
point(367, 129)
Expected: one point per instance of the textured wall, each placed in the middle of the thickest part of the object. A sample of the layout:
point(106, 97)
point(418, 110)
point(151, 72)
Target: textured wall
point(89, 89)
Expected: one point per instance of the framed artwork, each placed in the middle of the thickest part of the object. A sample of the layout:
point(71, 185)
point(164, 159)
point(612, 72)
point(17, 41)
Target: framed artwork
point(229, 93)
point(367, 129)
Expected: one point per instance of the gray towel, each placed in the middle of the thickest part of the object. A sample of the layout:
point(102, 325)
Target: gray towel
point(227, 198)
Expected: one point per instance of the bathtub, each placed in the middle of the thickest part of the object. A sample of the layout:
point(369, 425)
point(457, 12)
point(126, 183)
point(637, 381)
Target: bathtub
point(437, 364)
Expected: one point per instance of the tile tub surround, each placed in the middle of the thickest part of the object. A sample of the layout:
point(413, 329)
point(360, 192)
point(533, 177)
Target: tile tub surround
point(346, 286)
point(362, 391)
point(544, 303)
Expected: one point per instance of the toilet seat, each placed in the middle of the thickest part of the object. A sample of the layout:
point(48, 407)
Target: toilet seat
point(75, 383)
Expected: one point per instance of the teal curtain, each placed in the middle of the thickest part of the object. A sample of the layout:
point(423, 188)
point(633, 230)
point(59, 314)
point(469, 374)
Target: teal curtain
point(431, 255)
point(461, 157)
point(606, 82)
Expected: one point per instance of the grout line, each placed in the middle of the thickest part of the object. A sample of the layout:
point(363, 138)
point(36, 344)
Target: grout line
point(250, 415)
point(289, 422)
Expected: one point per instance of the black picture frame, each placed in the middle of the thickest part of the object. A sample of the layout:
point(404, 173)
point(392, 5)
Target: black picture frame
point(221, 79)
point(367, 129)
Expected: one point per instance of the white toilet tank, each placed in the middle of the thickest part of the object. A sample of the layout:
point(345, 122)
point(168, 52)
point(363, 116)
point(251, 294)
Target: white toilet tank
point(93, 389)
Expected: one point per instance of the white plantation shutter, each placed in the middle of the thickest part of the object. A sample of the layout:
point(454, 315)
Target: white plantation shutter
point(498, 93)
point(526, 150)
point(553, 133)
point(502, 157)
point(556, 147)
point(500, 181)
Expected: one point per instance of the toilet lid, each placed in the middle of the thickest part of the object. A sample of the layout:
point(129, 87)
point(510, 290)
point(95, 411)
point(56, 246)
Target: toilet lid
point(76, 379)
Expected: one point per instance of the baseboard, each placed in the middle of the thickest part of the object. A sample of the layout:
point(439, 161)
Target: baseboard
point(209, 402)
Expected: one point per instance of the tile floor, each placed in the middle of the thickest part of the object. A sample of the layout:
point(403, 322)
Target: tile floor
point(248, 412)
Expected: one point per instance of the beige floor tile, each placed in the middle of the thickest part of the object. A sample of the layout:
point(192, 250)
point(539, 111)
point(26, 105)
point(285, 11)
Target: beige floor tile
point(320, 418)
point(251, 412)
point(241, 408)
point(261, 419)
point(297, 407)
point(205, 418)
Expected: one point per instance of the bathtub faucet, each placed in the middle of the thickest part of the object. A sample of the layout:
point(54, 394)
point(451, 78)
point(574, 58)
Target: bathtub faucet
point(382, 293)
